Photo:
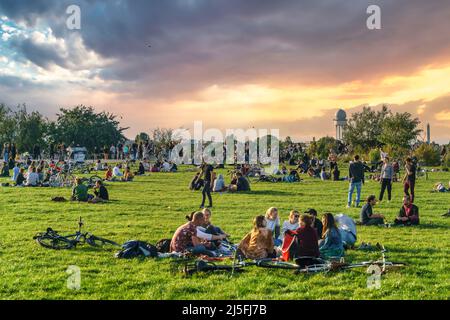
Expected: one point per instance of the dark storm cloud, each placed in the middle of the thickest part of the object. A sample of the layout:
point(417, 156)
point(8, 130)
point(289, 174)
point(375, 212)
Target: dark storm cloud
point(228, 42)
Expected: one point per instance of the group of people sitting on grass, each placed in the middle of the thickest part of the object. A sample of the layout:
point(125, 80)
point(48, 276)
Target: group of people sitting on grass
point(326, 238)
point(238, 183)
point(316, 238)
point(408, 214)
point(33, 174)
point(116, 174)
point(80, 192)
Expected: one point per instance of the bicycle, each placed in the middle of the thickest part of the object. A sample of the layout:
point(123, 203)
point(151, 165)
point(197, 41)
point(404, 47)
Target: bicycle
point(51, 239)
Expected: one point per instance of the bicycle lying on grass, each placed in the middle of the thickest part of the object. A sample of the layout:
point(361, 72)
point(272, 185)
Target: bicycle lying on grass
point(300, 265)
point(52, 240)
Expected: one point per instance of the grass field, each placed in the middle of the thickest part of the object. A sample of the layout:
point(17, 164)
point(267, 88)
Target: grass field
point(152, 207)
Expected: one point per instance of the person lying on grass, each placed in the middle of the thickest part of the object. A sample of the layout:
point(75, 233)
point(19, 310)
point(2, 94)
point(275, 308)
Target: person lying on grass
point(80, 192)
point(273, 224)
point(409, 213)
point(258, 244)
point(368, 218)
point(330, 246)
point(293, 176)
point(190, 238)
point(439, 187)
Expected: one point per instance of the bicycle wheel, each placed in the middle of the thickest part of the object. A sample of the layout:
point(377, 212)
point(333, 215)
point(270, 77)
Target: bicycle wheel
point(276, 264)
point(315, 268)
point(94, 179)
point(54, 242)
point(100, 242)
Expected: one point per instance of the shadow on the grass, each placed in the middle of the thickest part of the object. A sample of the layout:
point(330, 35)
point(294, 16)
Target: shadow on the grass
point(268, 192)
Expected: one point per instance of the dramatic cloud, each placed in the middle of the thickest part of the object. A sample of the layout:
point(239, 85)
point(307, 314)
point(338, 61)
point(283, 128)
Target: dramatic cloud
point(230, 62)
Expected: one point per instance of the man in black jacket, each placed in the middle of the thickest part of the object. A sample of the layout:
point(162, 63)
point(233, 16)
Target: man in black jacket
point(356, 178)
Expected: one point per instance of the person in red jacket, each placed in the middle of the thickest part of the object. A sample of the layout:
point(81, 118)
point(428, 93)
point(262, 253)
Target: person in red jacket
point(307, 241)
point(409, 213)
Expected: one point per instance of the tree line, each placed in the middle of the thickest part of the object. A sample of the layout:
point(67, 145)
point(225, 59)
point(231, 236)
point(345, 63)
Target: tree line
point(80, 125)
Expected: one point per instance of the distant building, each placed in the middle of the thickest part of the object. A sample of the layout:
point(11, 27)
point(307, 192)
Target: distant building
point(340, 122)
point(428, 133)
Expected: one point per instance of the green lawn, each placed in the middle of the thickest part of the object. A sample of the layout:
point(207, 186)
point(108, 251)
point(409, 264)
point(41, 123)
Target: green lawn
point(152, 207)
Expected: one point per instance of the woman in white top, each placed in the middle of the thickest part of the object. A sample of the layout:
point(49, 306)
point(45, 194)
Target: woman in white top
point(219, 184)
point(291, 224)
point(273, 224)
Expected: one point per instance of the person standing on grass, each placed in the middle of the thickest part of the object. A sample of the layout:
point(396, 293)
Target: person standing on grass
point(206, 172)
point(409, 181)
point(386, 178)
point(368, 218)
point(356, 176)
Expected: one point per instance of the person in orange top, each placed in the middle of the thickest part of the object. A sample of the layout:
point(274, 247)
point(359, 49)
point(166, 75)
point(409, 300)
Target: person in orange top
point(108, 174)
point(258, 244)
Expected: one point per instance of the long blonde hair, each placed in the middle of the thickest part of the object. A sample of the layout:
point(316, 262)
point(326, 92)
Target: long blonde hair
point(269, 213)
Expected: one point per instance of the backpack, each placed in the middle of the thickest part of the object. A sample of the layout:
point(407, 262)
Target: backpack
point(289, 247)
point(163, 246)
point(135, 248)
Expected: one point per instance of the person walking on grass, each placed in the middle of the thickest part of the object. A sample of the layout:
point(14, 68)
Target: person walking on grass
point(356, 177)
point(409, 181)
point(386, 178)
point(206, 172)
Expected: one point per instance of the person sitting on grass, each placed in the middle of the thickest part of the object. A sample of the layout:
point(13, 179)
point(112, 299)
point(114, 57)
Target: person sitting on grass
point(293, 176)
point(292, 223)
point(101, 193)
point(20, 179)
point(109, 174)
point(127, 175)
point(307, 240)
point(173, 167)
point(316, 223)
point(196, 183)
point(219, 184)
point(409, 213)
point(242, 184)
point(141, 170)
point(212, 229)
point(347, 228)
point(16, 171)
point(368, 218)
point(116, 171)
point(189, 238)
point(258, 244)
point(5, 170)
point(32, 178)
point(323, 174)
point(330, 246)
point(80, 191)
point(273, 224)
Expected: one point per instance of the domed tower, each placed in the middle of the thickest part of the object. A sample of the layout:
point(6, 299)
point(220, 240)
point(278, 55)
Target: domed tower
point(340, 121)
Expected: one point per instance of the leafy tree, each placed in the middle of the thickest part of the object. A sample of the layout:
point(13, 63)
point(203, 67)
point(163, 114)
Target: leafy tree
point(30, 129)
point(7, 125)
point(324, 145)
point(428, 155)
point(83, 126)
point(400, 130)
point(364, 128)
point(142, 137)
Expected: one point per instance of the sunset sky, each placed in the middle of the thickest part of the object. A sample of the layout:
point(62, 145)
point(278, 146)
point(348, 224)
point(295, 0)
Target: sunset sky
point(287, 64)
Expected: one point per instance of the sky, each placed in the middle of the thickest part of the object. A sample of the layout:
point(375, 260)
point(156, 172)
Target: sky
point(285, 64)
